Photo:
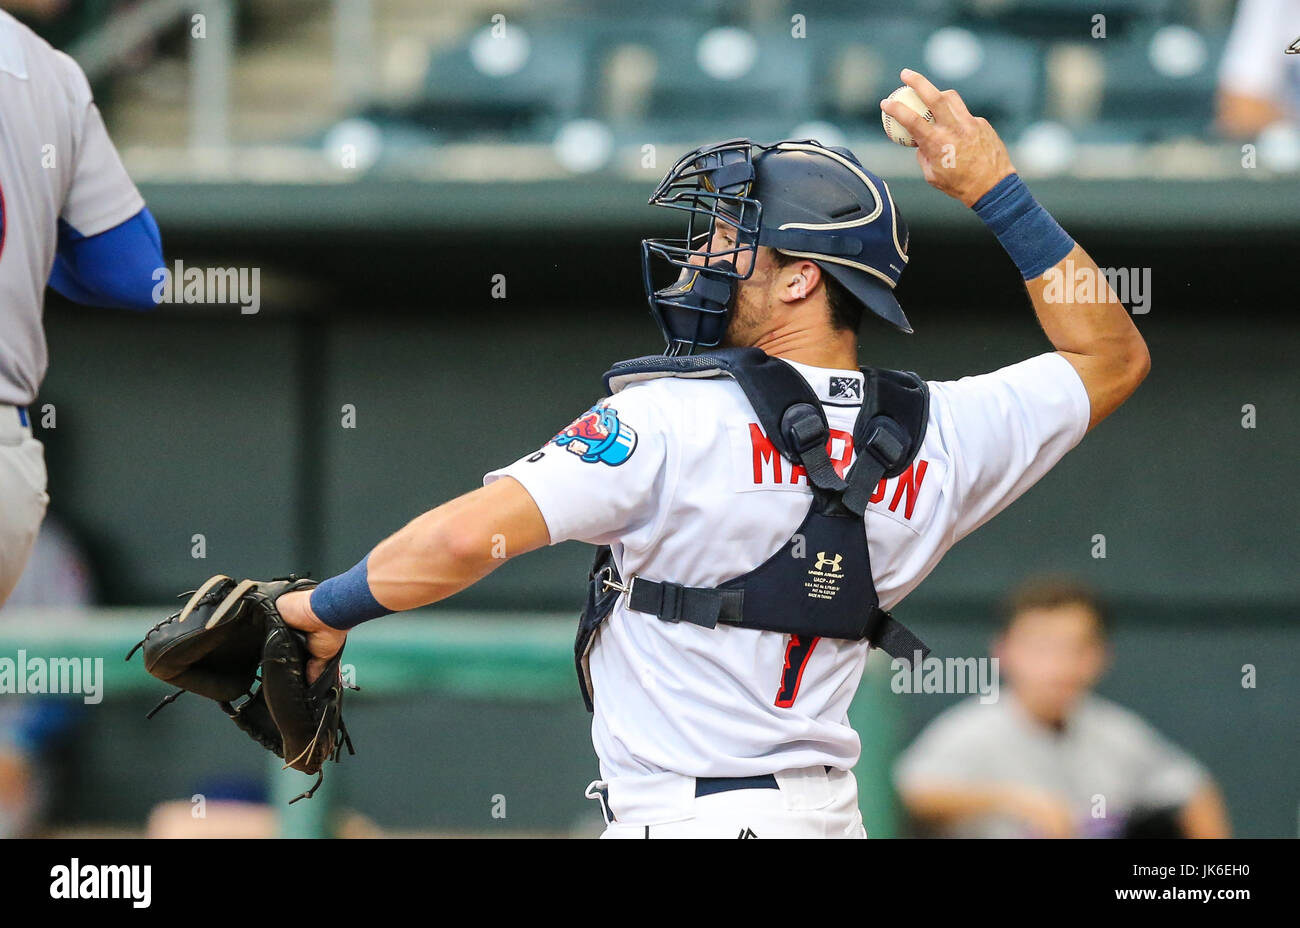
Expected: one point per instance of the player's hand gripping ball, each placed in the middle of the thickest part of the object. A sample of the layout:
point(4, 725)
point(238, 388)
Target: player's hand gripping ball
point(946, 128)
point(909, 98)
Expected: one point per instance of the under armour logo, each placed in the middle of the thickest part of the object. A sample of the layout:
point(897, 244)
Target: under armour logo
point(846, 388)
point(746, 833)
point(824, 562)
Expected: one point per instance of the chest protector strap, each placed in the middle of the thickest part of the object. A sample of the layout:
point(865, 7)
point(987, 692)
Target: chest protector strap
point(819, 583)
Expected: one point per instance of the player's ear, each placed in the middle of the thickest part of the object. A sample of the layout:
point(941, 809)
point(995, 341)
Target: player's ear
point(798, 280)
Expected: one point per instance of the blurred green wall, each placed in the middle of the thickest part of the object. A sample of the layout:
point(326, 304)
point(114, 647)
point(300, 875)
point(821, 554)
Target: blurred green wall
point(168, 427)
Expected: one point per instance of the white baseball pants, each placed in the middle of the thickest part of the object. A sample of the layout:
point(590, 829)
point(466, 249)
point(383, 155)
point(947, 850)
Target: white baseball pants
point(22, 495)
point(807, 803)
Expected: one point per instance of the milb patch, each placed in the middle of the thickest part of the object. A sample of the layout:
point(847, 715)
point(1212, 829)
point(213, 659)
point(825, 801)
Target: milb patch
point(846, 388)
point(598, 436)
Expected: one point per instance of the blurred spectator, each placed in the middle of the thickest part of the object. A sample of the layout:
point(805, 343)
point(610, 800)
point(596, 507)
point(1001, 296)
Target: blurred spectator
point(1259, 84)
point(1050, 758)
point(28, 726)
point(56, 575)
point(235, 806)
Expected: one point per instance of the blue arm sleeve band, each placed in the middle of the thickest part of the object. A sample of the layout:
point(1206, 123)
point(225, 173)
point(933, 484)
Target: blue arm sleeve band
point(119, 267)
point(1028, 232)
point(345, 601)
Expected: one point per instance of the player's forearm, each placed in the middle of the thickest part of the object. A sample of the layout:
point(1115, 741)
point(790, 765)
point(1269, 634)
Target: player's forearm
point(1079, 311)
point(1072, 298)
point(434, 556)
point(1091, 329)
point(442, 551)
point(418, 565)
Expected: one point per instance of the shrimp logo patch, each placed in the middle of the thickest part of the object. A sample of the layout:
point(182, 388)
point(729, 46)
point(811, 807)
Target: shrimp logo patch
point(598, 436)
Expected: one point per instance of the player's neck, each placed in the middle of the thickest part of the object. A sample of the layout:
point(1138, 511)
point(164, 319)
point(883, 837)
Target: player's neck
point(815, 347)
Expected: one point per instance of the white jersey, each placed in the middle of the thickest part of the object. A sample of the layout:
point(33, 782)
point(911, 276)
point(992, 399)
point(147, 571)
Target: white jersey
point(692, 491)
point(56, 162)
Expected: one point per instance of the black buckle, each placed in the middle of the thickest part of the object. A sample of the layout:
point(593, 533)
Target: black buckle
point(803, 428)
point(885, 443)
point(670, 601)
point(605, 577)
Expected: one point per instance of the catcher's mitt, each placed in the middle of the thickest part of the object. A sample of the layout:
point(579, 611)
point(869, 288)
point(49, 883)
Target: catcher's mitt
point(216, 645)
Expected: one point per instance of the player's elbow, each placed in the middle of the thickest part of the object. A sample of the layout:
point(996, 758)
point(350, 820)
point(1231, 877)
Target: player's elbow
point(1111, 377)
point(1137, 363)
point(462, 544)
point(1134, 364)
point(1122, 365)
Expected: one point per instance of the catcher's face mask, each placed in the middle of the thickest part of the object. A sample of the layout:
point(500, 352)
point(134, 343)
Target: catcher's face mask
point(712, 185)
point(799, 197)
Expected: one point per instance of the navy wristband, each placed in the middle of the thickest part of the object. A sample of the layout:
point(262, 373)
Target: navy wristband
point(1032, 238)
point(345, 601)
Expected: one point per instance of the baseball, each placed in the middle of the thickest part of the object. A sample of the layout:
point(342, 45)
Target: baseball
point(909, 98)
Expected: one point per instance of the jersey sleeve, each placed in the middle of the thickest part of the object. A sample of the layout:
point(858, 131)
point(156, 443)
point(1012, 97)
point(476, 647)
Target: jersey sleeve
point(1005, 430)
point(603, 477)
point(101, 194)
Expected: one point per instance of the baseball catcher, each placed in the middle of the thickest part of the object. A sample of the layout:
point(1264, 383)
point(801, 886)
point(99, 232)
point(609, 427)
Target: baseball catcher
point(230, 644)
point(759, 500)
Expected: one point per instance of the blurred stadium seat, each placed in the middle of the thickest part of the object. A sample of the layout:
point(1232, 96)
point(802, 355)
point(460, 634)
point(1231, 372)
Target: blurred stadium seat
point(758, 79)
point(1000, 76)
point(519, 84)
point(1159, 82)
point(681, 71)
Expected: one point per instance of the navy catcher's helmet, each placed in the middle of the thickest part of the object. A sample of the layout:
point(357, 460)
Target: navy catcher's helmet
point(800, 197)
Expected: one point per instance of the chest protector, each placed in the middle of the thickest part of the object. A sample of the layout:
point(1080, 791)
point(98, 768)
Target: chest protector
point(819, 583)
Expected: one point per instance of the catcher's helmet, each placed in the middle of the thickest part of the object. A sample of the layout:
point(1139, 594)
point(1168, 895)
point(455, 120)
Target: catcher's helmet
point(800, 197)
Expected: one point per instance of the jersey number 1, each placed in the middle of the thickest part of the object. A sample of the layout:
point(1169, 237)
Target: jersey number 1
point(797, 652)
